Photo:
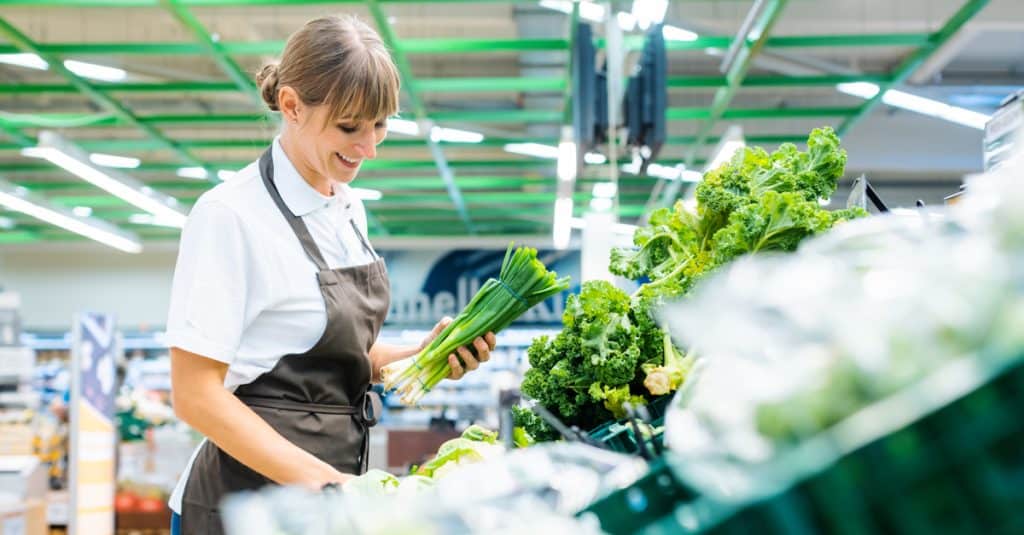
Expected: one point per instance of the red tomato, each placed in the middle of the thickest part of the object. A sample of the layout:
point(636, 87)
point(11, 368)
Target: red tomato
point(150, 505)
point(125, 502)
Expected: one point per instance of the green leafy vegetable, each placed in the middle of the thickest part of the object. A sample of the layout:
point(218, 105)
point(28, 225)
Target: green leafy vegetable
point(523, 282)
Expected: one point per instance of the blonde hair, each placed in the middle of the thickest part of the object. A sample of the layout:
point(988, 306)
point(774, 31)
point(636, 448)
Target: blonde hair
point(337, 61)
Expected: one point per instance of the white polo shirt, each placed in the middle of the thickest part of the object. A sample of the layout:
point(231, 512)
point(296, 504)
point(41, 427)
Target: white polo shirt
point(244, 292)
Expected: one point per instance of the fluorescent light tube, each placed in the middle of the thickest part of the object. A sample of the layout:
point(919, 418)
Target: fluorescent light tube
point(96, 72)
point(367, 194)
point(21, 200)
point(562, 228)
point(566, 169)
point(648, 12)
point(82, 211)
point(403, 126)
point(731, 142)
point(600, 204)
point(150, 219)
point(918, 104)
point(111, 160)
point(588, 10)
point(64, 154)
point(673, 33)
point(454, 135)
point(30, 61)
point(618, 228)
point(604, 190)
point(533, 149)
point(594, 158)
point(197, 173)
point(81, 68)
point(7, 223)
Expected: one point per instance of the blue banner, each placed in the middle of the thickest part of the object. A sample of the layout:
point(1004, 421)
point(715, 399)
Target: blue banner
point(96, 346)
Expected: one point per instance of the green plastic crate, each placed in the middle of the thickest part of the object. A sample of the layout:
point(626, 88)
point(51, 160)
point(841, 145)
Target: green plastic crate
point(618, 435)
point(959, 468)
point(634, 508)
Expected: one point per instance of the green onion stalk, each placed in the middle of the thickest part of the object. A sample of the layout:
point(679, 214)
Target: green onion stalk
point(523, 282)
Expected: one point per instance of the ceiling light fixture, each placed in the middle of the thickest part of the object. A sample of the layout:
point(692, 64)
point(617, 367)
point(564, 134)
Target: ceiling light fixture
point(917, 104)
point(66, 155)
point(111, 160)
point(81, 68)
point(22, 200)
point(455, 135)
point(730, 143)
point(367, 194)
point(562, 229)
point(537, 150)
point(649, 12)
point(198, 173)
point(403, 126)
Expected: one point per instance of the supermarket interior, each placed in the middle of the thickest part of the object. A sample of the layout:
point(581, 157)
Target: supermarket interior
point(634, 267)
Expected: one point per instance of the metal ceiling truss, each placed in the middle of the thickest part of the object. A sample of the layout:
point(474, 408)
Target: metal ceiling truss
point(487, 199)
point(925, 45)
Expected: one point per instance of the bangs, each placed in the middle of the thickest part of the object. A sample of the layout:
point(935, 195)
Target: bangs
point(366, 89)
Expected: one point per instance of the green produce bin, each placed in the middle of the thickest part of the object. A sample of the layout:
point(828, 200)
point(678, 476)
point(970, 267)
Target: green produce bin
point(642, 504)
point(618, 435)
point(957, 467)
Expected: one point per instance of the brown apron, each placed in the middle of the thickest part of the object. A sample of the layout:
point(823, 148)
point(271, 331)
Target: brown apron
point(319, 400)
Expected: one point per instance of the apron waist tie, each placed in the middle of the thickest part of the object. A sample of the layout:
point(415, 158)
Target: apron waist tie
point(368, 413)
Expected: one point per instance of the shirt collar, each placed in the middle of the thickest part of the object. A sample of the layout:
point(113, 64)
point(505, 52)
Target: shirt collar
point(300, 198)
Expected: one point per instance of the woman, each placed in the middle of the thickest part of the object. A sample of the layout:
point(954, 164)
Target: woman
point(278, 297)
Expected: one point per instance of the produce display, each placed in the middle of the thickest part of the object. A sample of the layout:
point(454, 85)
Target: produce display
point(857, 316)
point(612, 350)
point(475, 445)
point(523, 282)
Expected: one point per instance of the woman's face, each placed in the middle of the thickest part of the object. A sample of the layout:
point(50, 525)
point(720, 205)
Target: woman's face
point(335, 149)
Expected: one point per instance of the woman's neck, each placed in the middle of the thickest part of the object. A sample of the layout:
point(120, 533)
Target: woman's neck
point(320, 183)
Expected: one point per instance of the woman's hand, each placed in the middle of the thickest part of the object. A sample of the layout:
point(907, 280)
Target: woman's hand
point(483, 345)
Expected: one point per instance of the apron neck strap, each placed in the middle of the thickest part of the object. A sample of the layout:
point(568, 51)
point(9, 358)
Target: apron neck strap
point(294, 221)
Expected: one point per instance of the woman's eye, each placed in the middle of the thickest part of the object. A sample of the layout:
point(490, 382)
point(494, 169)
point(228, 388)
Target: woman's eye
point(348, 129)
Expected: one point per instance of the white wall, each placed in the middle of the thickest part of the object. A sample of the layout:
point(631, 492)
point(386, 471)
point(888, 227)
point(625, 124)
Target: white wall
point(55, 281)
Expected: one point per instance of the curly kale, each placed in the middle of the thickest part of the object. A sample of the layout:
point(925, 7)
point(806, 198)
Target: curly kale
point(611, 349)
point(600, 344)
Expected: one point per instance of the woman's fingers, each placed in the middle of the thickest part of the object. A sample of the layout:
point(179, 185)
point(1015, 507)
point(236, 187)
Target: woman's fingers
point(457, 370)
point(483, 350)
point(469, 362)
point(492, 341)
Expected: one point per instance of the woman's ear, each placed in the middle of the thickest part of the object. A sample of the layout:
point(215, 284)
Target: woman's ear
point(289, 103)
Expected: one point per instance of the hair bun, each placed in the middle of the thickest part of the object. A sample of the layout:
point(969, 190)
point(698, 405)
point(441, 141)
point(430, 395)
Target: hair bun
point(266, 79)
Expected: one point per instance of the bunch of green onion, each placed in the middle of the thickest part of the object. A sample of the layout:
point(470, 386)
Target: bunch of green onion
point(523, 282)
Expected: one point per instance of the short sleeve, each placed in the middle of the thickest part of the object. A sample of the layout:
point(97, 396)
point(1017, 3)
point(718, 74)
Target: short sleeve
point(209, 293)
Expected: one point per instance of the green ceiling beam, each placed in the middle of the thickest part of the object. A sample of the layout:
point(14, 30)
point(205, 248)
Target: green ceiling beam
point(274, 48)
point(775, 81)
point(371, 165)
point(705, 114)
point(482, 85)
point(428, 85)
point(911, 63)
point(636, 42)
point(858, 40)
point(130, 145)
point(27, 45)
point(463, 46)
point(226, 3)
point(154, 87)
point(18, 236)
point(749, 45)
point(213, 48)
point(76, 120)
point(499, 116)
point(409, 84)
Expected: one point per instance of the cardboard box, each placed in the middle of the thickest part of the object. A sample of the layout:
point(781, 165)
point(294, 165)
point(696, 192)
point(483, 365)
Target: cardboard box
point(23, 518)
point(24, 477)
